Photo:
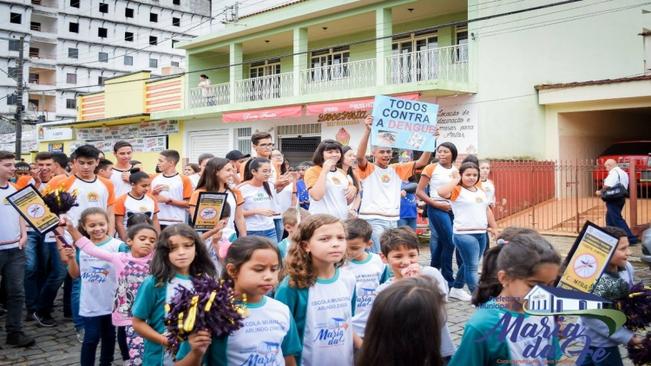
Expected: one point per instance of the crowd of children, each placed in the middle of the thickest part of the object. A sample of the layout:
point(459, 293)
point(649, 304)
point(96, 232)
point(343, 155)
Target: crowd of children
point(338, 283)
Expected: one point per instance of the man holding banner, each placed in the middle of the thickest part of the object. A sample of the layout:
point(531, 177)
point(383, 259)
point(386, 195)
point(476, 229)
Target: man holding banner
point(395, 123)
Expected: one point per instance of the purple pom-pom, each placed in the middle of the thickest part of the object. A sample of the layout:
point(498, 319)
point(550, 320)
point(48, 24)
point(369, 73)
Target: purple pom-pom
point(641, 354)
point(222, 319)
point(636, 306)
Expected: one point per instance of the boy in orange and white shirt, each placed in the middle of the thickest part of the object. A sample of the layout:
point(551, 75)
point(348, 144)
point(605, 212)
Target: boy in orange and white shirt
point(381, 185)
point(92, 190)
point(121, 170)
point(171, 189)
point(136, 201)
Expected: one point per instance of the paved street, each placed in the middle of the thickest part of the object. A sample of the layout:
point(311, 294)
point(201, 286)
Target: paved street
point(58, 346)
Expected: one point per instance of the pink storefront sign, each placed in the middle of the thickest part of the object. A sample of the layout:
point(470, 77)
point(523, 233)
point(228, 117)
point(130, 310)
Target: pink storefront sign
point(352, 105)
point(262, 114)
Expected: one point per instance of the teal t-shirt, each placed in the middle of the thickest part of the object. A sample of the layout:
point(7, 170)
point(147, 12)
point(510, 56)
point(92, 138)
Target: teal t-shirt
point(283, 246)
point(268, 335)
point(482, 343)
point(150, 307)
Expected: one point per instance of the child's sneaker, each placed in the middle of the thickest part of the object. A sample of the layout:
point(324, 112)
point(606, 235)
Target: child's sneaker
point(459, 294)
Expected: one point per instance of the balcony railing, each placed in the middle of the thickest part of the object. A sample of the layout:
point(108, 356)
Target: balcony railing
point(264, 88)
point(448, 64)
point(212, 95)
point(444, 63)
point(345, 76)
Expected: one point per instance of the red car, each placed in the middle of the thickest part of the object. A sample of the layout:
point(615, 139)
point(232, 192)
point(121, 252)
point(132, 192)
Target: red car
point(624, 153)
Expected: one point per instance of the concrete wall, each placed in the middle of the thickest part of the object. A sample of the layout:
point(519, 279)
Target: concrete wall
point(575, 42)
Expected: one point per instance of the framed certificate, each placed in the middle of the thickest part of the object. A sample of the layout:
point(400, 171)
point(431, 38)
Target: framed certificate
point(208, 210)
point(588, 258)
point(29, 203)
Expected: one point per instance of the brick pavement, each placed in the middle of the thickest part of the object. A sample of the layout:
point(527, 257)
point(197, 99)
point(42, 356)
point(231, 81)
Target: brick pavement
point(59, 346)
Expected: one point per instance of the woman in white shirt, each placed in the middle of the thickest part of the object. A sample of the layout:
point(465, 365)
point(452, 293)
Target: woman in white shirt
point(473, 218)
point(439, 211)
point(348, 164)
point(259, 206)
point(329, 188)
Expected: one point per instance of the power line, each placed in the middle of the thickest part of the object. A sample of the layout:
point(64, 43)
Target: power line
point(430, 28)
point(558, 21)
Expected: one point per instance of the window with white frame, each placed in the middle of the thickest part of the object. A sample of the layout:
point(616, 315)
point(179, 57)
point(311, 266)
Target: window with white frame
point(243, 139)
point(263, 84)
point(414, 57)
point(329, 63)
point(71, 103)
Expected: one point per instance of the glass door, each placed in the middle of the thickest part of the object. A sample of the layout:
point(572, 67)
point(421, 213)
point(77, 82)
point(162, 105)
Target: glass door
point(427, 58)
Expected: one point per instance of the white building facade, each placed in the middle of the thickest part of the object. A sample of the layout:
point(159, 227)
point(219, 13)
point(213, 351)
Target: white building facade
point(71, 44)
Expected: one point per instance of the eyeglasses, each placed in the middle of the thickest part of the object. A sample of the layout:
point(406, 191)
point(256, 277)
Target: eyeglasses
point(267, 145)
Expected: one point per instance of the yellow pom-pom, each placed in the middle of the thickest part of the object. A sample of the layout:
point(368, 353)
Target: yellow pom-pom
point(192, 314)
point(213, 294)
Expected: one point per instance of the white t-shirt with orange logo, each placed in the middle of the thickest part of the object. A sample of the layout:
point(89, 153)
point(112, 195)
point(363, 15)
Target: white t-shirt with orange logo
point(381, 190)
point(438, 177)
point(120, 186)
point(469, 210)
point(333, 201)
point(127, 205)
point(96, 193)
point(177, 187)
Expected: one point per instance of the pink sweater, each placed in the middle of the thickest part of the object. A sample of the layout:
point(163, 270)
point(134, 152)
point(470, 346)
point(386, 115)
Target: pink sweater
point(130, 274)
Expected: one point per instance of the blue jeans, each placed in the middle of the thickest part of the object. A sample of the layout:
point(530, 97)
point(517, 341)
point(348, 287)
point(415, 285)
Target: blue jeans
point(98, 328)
point(278, 224)
point(411, 222)
point(77, 319)
point(614, 218)
point(379, 226)
point(269, 234)
point(613, 357)
point(442, 249)
point(44, 273)
point(470, 247)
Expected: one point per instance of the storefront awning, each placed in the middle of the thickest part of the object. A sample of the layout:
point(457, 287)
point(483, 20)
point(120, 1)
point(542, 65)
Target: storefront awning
point(351, 105)
point(262, 114)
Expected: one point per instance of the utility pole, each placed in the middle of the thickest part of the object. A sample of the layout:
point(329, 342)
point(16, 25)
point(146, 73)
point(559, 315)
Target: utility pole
point(20, 62)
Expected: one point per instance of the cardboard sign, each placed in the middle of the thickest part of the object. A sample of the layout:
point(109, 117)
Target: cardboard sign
point(208, 211)
point(403, 124)
point(29, 203)
point(588, 258)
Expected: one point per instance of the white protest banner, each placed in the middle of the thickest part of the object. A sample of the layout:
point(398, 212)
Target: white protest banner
point(457, 121)
point(403, 124)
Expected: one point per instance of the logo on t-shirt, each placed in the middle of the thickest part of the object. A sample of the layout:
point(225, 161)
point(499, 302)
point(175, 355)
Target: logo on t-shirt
point(92, 197)
point(265, 354)
point(365, 299)
point(385, 178)
point(479, 200)
point(332, 333)
point(335, 180)
point(96, 274)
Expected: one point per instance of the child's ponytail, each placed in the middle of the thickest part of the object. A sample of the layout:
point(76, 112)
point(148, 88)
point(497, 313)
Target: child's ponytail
point(519, 258)
point(488, 286)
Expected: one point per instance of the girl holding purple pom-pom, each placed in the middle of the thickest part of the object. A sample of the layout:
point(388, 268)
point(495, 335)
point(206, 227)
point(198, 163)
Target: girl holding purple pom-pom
point(253, 266)
point(179, 257)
